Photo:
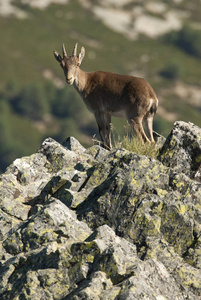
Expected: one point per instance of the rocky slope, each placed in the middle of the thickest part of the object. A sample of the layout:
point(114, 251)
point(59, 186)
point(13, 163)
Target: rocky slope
point(82, 223)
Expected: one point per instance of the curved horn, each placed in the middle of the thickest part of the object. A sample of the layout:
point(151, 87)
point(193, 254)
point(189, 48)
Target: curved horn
point(75, 50)
point(64, 51)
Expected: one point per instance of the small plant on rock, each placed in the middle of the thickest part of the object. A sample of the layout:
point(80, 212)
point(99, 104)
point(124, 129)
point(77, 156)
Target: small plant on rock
point(131, 143)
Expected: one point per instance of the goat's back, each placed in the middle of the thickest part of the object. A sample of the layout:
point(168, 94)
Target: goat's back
point(116, 91)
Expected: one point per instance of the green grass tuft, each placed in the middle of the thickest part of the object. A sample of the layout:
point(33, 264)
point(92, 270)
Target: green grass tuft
point(131, 143)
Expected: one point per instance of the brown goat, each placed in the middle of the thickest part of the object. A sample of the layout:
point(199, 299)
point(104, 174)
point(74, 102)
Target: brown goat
point(108, 94)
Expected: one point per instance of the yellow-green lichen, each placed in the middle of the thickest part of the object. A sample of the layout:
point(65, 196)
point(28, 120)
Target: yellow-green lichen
point(190, 277)
point(144, 225)
point(133, 201)
point(153, 225)
point(198, 159)
point(161, 192)
point(96, 179)
point(182, 209)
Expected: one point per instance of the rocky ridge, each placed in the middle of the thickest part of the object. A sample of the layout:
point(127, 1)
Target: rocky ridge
point(82, 223)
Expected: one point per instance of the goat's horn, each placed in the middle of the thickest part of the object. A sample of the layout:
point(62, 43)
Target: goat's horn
point(64, 51)
point(75, 50)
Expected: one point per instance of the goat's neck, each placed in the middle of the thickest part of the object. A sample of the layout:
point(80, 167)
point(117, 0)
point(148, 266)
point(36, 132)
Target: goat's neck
point(80, 81)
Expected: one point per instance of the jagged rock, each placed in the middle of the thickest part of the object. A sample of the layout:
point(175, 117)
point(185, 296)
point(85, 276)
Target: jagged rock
point(82, 223)
point(159, 139)
point(72, 144)
point(97, 152)
point(182, 149)
point(37, 245)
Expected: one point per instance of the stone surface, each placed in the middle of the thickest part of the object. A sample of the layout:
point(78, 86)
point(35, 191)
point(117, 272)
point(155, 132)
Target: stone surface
point(182, 149)
point(82, 223)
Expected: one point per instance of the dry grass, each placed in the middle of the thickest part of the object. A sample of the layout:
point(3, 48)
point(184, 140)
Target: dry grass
point(131, 143)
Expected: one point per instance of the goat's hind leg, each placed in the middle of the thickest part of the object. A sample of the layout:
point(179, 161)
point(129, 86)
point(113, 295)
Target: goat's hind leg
point(148, 123)
point(136, 125)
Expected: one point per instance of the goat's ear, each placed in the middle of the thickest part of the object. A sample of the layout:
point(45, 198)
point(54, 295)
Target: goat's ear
point(57, 56)
point(81, 55)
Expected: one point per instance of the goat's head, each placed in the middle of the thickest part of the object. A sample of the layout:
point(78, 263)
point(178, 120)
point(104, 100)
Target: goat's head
point(70, 64)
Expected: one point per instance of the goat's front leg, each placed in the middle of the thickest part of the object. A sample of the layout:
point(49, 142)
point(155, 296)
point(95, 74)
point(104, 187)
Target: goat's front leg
point(103, 121)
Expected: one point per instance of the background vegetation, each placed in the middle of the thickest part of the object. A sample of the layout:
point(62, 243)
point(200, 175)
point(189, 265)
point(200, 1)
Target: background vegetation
point(35, 103)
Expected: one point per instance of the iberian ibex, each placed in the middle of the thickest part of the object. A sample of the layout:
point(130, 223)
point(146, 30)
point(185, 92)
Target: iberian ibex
point(107, 94)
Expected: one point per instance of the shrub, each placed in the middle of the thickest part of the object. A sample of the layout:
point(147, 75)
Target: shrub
point(188, 39)
point(171, 71)
point(31, 102)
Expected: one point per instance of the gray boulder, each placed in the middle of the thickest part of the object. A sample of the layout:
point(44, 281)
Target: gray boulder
point(182, 150)
point(82, 223)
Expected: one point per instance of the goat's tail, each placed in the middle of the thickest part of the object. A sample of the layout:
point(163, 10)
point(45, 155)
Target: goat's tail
point(153, 107)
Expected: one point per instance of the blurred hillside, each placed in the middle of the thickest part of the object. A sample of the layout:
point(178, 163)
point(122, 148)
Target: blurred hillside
point(157, 40)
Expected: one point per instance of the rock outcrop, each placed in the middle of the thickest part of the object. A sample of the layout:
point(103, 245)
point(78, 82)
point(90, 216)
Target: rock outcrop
point(82, 223)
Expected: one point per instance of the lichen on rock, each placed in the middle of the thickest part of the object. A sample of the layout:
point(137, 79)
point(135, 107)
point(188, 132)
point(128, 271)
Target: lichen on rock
point(82, 223)
point(182, 149)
